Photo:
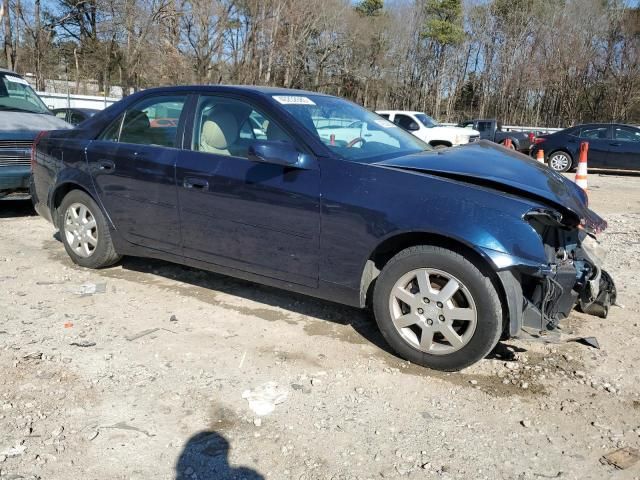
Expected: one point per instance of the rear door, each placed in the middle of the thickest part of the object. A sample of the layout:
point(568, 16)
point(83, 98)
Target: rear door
point(133, 167)
point(599, 138)
point(249, 215)
point(625, 148)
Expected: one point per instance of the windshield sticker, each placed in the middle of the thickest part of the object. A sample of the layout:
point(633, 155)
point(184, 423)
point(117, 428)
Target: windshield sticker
point(385, 123)
point(13, 79)
point(293, 100)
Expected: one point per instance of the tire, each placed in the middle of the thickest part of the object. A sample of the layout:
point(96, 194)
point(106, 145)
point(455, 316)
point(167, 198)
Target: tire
point(403, 325)
point(79, 213)
point(560, 161)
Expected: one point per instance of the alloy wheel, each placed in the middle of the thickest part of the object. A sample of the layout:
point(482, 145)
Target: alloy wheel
point(559, 162)
point(80, 230)
point(433, 311)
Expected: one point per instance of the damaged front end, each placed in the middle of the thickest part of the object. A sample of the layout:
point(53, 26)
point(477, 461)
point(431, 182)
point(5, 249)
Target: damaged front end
point(573, 276)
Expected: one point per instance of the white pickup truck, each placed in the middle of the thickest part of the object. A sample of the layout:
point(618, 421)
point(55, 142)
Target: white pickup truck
point(427, 129)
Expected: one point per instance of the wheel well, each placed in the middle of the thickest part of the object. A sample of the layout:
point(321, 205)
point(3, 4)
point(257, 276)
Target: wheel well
point(436, 143)
point(58, 196)
point(394, 245)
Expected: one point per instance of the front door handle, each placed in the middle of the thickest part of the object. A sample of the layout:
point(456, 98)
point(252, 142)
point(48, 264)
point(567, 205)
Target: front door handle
point(194, 183)
point(106, 166)
point(615, 144)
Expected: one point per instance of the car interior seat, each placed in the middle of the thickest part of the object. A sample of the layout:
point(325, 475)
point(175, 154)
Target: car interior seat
point(219, 131)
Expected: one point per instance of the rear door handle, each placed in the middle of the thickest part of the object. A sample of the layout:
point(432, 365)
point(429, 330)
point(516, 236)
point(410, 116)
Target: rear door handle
point(615, 144)
point(106, 166)
point(195, 183)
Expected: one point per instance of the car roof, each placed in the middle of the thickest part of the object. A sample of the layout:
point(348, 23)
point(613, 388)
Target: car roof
point(255, 89)
point(6, 70)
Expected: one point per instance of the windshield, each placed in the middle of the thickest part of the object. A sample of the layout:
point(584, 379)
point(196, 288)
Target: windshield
point(17, 95)
point(426, 120)
point(350, 131)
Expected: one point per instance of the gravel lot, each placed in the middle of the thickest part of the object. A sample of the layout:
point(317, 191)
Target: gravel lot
point(139, 371)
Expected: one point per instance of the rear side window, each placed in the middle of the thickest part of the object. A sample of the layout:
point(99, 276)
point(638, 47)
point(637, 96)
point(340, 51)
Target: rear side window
point(152, 121)
point(594, 133)
point(384, 115)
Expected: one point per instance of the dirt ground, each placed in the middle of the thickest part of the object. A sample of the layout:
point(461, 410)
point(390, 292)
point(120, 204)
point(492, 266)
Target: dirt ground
point(138, 372)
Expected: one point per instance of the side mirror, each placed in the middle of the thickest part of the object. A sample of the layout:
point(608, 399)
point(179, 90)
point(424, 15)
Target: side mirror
point(413, 126)
point(278, 153)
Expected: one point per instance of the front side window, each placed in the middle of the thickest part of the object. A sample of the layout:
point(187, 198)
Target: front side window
point(406, 122)
point(226, 126)
point(626, 134)
point(594, 133)
point(350, 131)
point(17, 95)
point(426, 120)
point(152, 121)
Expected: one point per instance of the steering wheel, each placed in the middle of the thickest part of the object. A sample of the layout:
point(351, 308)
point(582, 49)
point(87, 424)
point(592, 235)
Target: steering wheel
point(354, 141)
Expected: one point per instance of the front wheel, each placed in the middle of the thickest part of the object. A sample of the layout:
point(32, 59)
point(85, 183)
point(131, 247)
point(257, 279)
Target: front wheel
point(437, 309)
point(560, 162)
point(84, 231)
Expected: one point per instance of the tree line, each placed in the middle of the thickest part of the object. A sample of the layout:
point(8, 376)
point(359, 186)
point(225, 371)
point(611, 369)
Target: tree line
point(533, 62)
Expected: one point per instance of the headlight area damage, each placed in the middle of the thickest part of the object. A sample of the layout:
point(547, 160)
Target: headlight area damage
point(573, 276)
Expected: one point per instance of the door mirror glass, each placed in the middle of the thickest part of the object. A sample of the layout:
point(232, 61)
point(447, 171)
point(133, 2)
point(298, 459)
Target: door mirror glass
point(275, 152)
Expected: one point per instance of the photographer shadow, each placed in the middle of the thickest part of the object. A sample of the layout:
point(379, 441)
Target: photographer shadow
point(206, 457)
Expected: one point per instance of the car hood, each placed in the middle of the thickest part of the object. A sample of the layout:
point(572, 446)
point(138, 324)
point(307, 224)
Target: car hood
point(487, 164)
point(27, 125)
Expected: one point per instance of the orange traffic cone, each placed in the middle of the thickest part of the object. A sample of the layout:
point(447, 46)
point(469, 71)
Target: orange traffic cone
point(508, 143)
point(540, 156)
point(581, 173)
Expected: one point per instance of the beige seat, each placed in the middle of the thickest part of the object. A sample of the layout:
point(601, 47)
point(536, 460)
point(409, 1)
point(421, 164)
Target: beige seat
point(218, 132)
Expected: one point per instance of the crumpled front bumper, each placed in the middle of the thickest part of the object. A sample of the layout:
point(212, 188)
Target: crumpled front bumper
point(539, 299)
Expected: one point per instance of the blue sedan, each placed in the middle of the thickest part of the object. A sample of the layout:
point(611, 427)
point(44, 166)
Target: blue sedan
point(452, 249)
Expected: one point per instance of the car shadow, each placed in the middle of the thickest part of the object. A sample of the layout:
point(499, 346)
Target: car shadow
point(206, 457)
point(10, 208)
point(361, 321)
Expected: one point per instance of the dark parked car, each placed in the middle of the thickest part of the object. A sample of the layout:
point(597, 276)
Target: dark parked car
point(492, 130)
point(451, 255)
point(75, 116)
point(613, 146)
point(22, 117)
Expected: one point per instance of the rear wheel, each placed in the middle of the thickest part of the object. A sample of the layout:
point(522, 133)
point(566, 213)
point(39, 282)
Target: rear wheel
point(437, 309)
point(560, 162)
point(84, 231)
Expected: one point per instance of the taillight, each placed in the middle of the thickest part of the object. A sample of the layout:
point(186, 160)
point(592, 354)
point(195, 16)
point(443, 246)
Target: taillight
point(34, 145)
point(539, 140)
point(532, 137)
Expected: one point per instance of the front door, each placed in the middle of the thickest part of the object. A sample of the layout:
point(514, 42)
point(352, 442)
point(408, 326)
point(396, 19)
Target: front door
point(625, 148)
point(133, 168)
point(249, 215)
point(599, 138)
